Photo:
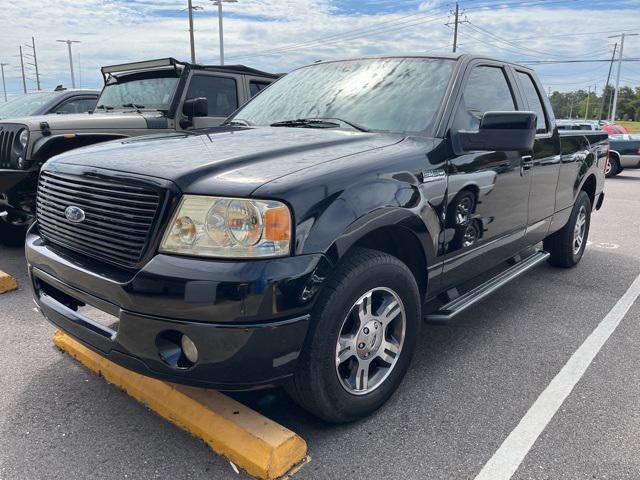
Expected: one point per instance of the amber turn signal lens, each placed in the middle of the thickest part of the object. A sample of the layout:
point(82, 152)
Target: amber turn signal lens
point(277, 224)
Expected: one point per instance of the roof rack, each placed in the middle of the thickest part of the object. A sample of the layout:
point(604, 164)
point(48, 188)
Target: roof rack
point(178, 65)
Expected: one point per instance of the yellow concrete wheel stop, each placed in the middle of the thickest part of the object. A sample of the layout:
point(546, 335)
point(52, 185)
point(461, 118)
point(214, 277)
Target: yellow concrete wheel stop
point(258, 445)
point(7, 282)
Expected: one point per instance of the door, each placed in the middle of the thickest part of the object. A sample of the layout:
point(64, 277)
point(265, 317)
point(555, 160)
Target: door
point(544, 163)
point(488, 191)
point(222, 93)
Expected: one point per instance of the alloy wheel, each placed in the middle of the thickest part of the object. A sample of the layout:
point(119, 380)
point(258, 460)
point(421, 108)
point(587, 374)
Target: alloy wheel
point(579, 230)
point(370, 340)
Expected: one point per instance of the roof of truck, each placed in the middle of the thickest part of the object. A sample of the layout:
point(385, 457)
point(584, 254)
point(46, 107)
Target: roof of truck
point(163, 63)
point(449, 56)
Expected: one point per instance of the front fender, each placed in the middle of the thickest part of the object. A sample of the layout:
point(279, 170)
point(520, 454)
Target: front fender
point(348, 216)
point(49, 146)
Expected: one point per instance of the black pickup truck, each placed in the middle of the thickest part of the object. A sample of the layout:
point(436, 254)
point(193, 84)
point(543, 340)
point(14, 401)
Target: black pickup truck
point(302, 242)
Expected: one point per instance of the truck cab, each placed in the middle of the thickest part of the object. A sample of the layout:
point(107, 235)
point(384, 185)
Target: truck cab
point(141, 98)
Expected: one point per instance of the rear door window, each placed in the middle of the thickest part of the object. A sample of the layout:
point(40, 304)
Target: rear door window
point(221, 93)
point(534, 100)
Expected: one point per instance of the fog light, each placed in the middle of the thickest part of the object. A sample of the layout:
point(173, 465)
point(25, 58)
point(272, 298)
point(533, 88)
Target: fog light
point(189, 349)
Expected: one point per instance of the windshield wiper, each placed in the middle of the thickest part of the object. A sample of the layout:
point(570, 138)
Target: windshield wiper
point(318, 123)
point(133, 105)
point(104, 107)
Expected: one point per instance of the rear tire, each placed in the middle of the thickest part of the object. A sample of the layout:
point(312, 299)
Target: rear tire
point(613, 167)
point(12, 234)
point(367, 317)
point(567, 245)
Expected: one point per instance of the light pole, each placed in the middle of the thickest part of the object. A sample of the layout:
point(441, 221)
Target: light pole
point(220, 29)
point(69, 42)
point(4, 85)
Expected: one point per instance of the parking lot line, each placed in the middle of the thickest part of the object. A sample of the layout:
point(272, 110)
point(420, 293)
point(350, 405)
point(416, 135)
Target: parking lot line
point(506, 460)
point(260, 446)
point(7, 282)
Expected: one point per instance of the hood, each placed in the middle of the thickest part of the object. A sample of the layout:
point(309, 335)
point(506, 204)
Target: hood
point(77, 122)
point(226, 161)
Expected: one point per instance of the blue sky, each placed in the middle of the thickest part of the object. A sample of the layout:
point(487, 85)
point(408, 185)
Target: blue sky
point(278, 36)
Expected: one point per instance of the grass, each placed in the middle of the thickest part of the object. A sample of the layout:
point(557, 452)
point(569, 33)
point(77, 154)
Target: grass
point(633, 127)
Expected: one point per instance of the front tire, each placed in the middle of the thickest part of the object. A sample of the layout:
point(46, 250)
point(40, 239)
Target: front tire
point(365, 326)
point(567, 245)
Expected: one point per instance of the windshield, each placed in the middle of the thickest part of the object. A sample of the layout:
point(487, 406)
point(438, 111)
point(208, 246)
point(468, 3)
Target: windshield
point(394, 95)
point(135, 92)
point(26, 105)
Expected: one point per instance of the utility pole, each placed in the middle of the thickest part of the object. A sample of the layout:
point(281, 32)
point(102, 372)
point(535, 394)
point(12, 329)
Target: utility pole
point(35, 61)
point(456, 13)
point(192, 41)
point(220, 27)
point(615, 95)
point(604, 92)
point(69, 42)
point(455, 28)
point(595, 89)
point(571, 107)
point(4, 85)
point(24, 80)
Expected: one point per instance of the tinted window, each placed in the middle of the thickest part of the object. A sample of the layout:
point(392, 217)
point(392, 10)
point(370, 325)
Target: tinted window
point(535, 103)
point(78, 105)
point(256, 87)
point(486, 90)
point(222, 93)
point(390, 94)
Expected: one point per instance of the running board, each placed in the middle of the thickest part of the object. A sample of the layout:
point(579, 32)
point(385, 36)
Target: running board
point(461, 303)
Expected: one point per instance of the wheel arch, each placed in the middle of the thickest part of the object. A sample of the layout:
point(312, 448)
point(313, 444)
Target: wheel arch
point(397, 232)
point(589, 186)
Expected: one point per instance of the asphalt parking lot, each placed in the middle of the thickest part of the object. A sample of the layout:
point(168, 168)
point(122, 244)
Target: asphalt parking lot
point(471, 383)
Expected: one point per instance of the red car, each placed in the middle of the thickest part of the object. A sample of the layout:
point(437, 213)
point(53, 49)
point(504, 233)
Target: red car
point(613, 129)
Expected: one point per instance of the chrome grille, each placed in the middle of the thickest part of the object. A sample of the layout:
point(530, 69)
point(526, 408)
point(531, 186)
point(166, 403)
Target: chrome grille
point(118, 216)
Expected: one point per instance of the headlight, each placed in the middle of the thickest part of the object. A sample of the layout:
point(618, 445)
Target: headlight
point(24, 138)
point(229, 228)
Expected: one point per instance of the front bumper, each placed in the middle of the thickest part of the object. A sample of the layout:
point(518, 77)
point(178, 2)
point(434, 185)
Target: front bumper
point(248, 319)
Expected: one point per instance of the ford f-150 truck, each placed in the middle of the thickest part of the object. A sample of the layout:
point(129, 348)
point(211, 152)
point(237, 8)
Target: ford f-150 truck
point(141, 98)
point(302, 242)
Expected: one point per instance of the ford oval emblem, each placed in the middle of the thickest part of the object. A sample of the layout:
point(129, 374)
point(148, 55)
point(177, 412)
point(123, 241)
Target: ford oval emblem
point(74, 214)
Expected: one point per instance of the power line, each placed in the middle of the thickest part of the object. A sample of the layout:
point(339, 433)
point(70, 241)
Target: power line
point(552, 62)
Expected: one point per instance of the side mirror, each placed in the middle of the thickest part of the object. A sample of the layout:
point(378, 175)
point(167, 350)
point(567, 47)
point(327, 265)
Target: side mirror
point(501, 131)
point(196, 107)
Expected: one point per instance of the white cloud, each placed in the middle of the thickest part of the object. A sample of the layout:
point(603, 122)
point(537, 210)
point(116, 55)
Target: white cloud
point(119, 31)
